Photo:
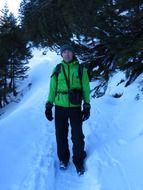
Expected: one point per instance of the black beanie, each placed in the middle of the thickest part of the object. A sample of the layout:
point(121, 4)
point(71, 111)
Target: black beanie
point(66, 47)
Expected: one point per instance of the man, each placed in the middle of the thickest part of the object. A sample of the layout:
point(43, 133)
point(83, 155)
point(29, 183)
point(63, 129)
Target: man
point(67, 90)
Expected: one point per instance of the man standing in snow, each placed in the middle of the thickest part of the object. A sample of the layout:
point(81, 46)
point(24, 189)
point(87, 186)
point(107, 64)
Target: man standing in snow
point(69, 85)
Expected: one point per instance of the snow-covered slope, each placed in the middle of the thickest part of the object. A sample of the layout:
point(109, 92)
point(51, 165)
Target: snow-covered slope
point(113, 136)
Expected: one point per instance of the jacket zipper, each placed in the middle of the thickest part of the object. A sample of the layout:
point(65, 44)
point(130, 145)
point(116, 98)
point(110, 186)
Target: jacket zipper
point(72, 78)
point(69, 81)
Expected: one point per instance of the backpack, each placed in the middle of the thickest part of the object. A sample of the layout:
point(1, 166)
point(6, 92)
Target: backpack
point(58, 69)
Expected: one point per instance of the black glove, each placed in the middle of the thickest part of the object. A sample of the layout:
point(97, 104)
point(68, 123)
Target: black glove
point(48, 111)
point(86, 111)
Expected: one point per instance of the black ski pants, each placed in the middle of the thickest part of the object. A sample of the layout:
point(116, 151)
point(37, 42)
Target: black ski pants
point(62, 115)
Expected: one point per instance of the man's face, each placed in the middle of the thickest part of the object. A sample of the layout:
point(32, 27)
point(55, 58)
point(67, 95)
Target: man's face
point(67, 55)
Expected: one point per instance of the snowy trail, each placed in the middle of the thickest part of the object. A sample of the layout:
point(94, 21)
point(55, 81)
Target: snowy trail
point(45, 173)
point(113, 143)
point(43, 169)
point(30, 138)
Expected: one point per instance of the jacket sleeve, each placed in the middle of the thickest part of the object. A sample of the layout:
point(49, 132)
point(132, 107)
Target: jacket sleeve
point(52, 88)
point(86, 86)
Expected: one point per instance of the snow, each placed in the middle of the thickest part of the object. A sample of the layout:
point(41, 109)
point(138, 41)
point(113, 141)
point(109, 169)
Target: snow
point(113, 136)
point(124, 13)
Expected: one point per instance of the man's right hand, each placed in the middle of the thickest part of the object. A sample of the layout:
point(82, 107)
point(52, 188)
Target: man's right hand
point(48, 111)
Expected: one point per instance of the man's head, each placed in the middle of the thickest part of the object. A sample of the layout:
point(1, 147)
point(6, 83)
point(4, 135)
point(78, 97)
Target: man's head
point(67, 52)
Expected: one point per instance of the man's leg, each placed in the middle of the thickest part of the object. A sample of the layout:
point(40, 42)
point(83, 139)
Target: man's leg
point(77, 136)
point(61, 127)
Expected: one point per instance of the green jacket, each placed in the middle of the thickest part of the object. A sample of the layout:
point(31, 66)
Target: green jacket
point(71, 70)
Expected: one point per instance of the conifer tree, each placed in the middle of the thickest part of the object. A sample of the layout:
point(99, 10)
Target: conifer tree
point(14, 55)
point(107, 34)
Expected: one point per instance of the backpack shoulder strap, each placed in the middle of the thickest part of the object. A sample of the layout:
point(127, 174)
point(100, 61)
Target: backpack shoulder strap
point(56, 73)
point(80, 73)
point(57, 70)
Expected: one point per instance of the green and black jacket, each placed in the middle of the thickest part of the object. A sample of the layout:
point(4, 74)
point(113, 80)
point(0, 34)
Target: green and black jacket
point(71, 69)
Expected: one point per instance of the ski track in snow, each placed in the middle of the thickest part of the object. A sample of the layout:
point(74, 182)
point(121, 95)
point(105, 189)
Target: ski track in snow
point(43, 169)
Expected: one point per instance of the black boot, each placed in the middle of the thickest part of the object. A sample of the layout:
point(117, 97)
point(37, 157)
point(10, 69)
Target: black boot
point(63, 165)
point(80, 169)
point(79, 164)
